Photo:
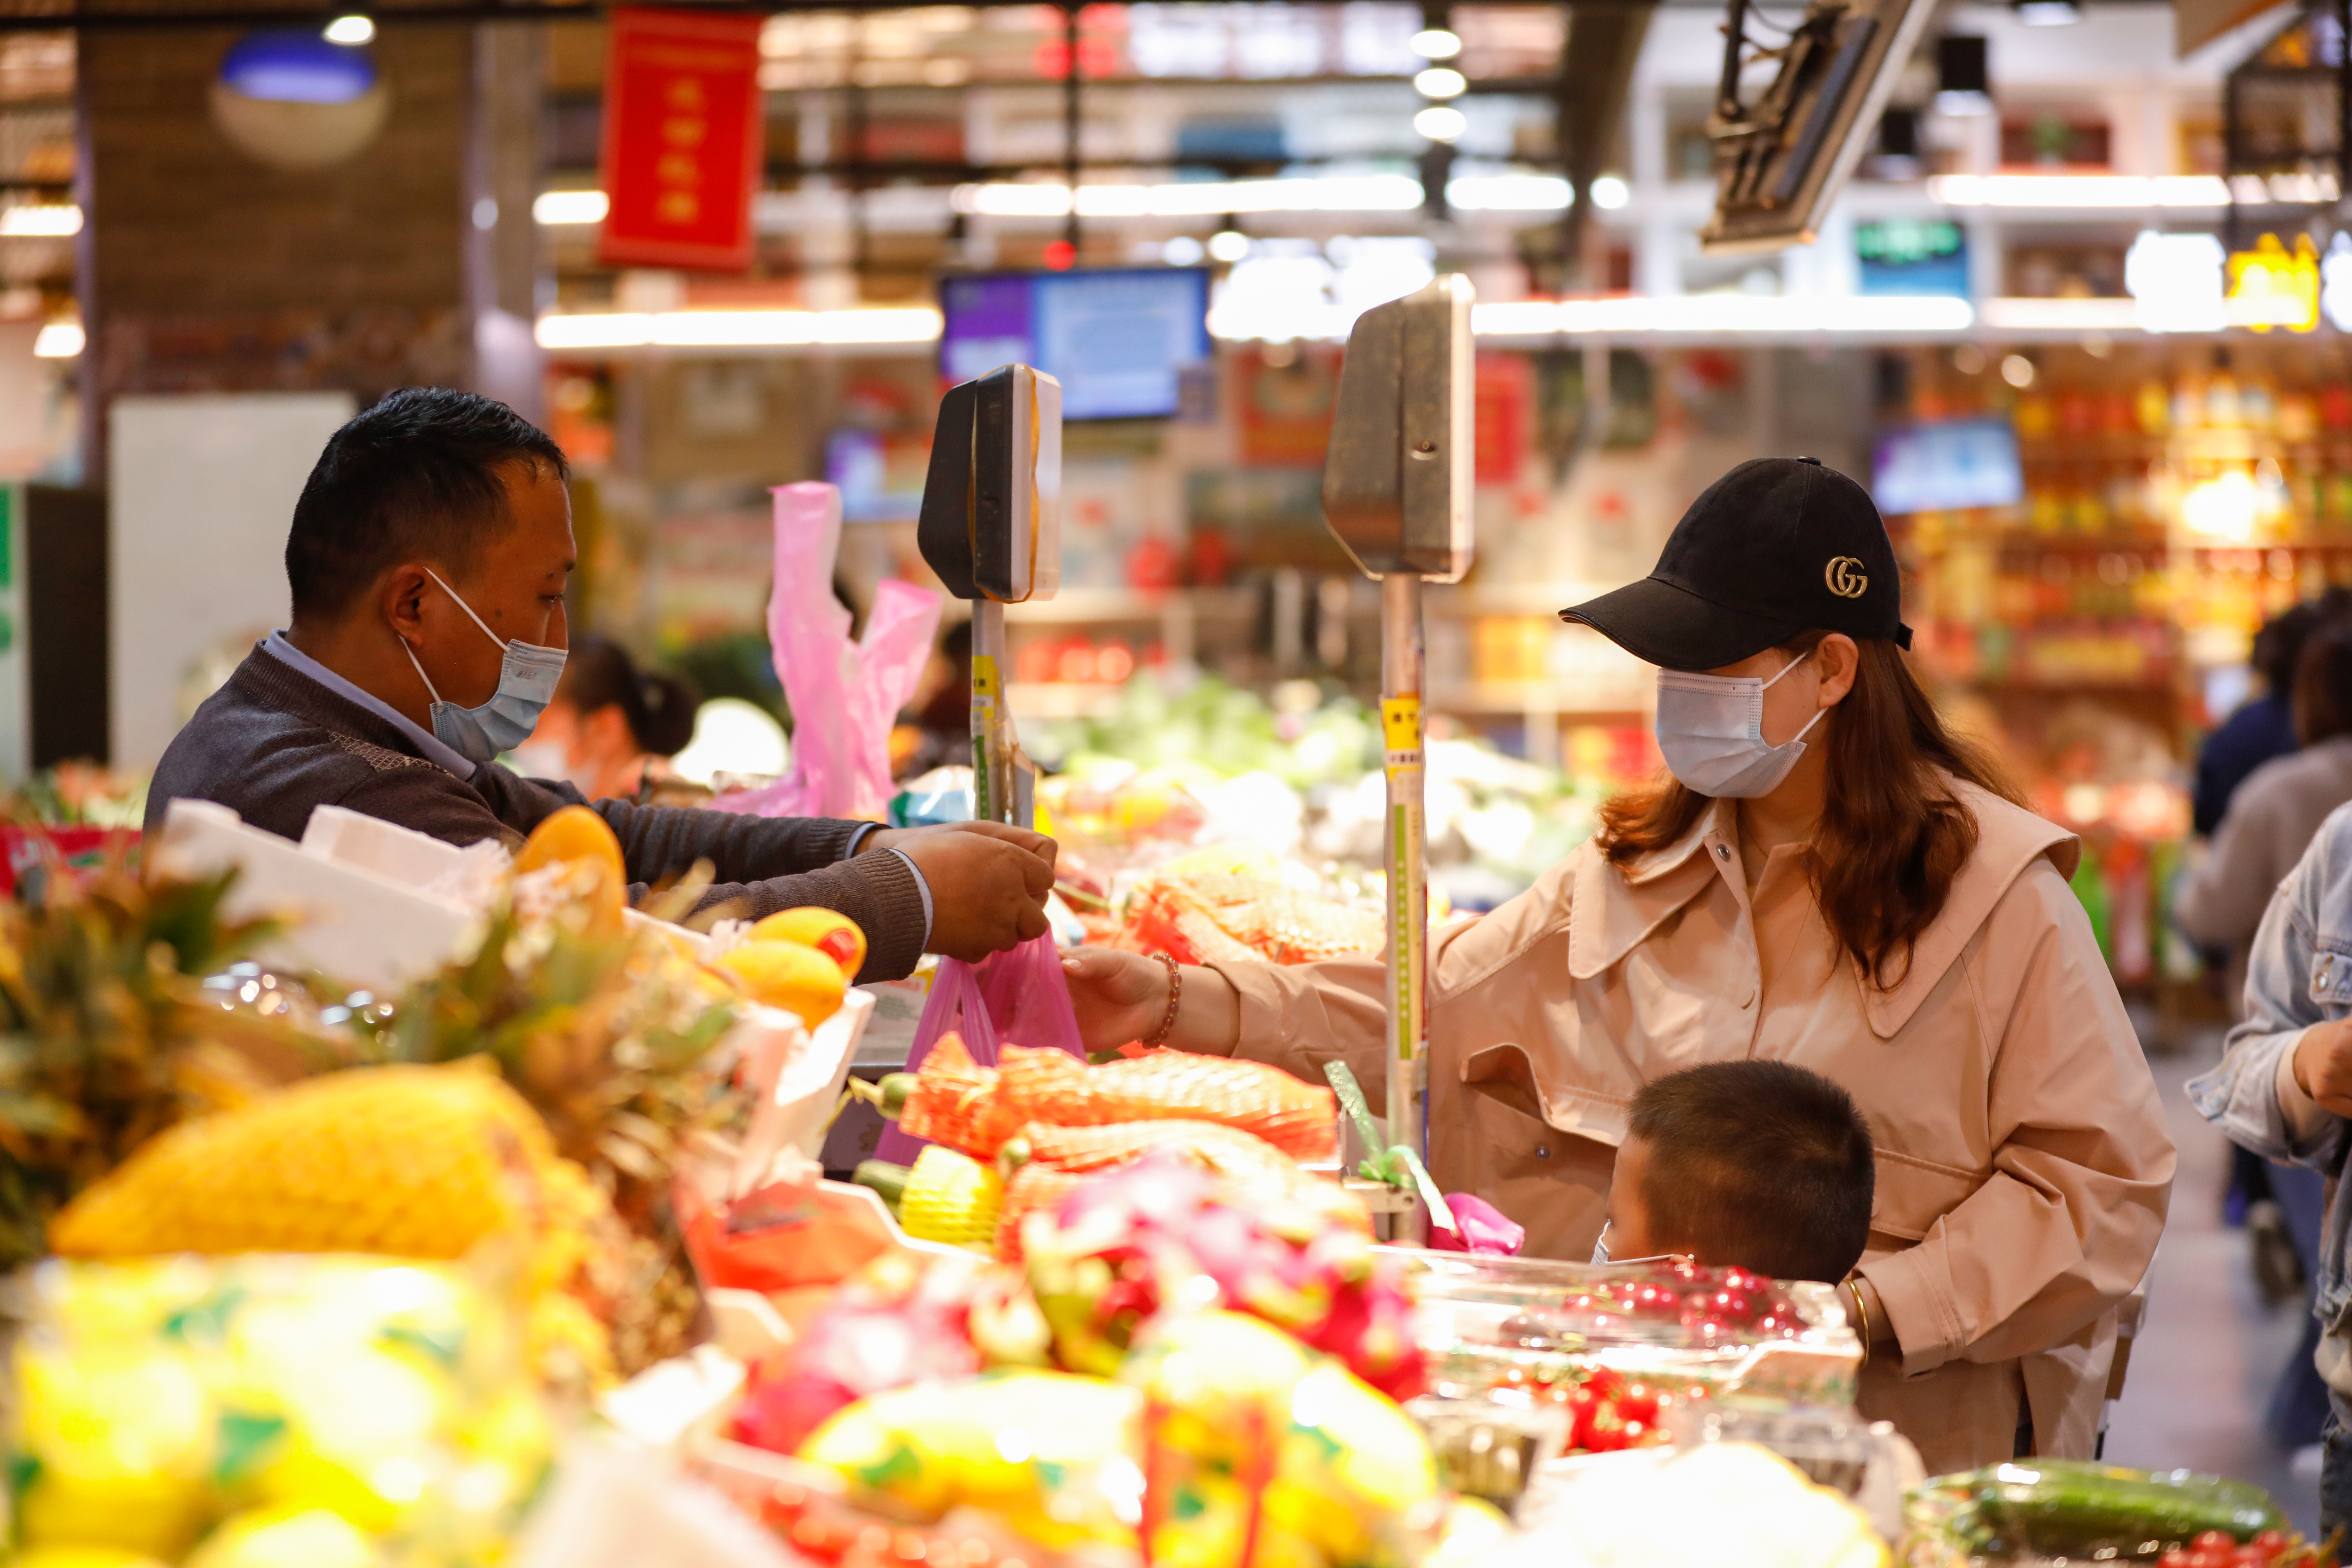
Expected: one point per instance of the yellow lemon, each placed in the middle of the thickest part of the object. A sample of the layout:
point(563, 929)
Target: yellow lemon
point(789, 976)
point(834, 935)
point(286, 1538)
point(82, 1557)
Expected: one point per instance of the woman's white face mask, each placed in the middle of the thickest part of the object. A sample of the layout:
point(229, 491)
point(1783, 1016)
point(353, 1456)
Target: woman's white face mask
point(1710, 731)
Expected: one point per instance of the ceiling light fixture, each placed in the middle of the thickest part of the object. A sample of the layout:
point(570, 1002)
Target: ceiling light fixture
point(350, 31)
point(1441, 122)
point(1436, 44)
point(1440, 81)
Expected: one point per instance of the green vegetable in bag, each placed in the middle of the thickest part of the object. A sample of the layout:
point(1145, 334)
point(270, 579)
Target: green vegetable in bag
point(2067, 1508)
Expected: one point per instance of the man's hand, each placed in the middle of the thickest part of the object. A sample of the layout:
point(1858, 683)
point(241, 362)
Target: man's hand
point(988, 882)
point(2322, 1065)
point(1118, 995)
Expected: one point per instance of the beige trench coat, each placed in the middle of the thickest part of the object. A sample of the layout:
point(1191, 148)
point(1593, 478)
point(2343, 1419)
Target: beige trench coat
point(2024, 1162)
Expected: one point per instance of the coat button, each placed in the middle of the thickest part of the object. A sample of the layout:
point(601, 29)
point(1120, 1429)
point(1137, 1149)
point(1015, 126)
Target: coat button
point(1723, 851)
point(1543, 1151)
point(1747, 997)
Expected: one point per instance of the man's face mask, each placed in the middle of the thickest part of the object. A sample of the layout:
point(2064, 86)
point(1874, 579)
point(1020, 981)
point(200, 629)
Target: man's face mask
point(527, 678)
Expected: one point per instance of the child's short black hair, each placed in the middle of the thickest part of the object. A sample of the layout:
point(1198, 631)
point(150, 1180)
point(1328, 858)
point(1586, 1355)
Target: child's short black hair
point(416, 476)
point(1758, 1165)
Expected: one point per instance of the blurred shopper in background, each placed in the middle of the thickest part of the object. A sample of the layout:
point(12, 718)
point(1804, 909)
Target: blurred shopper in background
point(2274, 812)
point(612, 726)
point(2270, 823)
point(2262, 727)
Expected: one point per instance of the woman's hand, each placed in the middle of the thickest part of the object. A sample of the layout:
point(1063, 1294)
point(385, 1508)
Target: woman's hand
point(1118, 996)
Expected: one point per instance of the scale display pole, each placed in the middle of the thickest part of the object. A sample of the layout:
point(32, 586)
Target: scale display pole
point(992, 528)
point(1402, 667)
point(1396, 494)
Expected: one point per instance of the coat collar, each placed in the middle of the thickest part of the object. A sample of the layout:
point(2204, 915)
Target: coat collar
point(2009, 838)
point(1614, 910)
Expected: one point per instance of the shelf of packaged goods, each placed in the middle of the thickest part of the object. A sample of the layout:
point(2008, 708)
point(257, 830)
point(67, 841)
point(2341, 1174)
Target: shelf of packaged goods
point(1543, 598)
point(1512, 699)
point(2151, 687)
point(2083, 544)
point(1043, 700)
point(1101, 606)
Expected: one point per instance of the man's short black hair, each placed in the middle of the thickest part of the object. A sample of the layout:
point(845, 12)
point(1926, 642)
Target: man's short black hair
point(1757, 1165)
point(418, 476)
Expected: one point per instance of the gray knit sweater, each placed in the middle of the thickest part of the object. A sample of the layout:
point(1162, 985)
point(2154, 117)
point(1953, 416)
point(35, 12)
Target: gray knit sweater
point(272, 743)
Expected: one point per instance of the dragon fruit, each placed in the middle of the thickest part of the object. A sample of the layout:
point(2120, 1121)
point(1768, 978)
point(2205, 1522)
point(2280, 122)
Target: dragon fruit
point(1163, 1233)
point(899, 1323)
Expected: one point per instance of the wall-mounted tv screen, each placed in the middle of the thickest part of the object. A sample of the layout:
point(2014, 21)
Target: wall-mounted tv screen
point(1947, 467)
point(1120, 340)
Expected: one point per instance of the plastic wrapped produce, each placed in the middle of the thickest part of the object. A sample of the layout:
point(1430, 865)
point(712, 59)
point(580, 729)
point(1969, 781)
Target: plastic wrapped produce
point(2039, 1509)
point(1619, 1343)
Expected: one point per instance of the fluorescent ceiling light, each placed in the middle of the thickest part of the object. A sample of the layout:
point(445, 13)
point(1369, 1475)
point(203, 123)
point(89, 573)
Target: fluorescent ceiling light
point(1726, 314)
point(2016, 313)
point(1440, 81)
point(1441, 122)
point(1507, 193)
point(1609, 192)
point(48, 220)
point(2079, 191)
point(1195, 198)
point(570, 207)
point(1436, 44)
point(737, 329)
point(350, 31)
point(59, 340)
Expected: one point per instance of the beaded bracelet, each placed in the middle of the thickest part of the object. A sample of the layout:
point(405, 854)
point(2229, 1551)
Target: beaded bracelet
point(1175, 997)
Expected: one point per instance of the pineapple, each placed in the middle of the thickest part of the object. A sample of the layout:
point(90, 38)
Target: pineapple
point(105, 1036)
point(417, 1162)
point(407, 1160)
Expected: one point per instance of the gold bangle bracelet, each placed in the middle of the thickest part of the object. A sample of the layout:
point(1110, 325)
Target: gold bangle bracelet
point(1861, 1315)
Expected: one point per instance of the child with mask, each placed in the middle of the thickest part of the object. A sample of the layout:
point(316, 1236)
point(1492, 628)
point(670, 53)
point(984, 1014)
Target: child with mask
point(1750, 1164)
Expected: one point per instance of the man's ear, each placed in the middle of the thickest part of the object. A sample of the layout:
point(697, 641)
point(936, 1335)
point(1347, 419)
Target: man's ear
point(608, 728)
point(400, 595)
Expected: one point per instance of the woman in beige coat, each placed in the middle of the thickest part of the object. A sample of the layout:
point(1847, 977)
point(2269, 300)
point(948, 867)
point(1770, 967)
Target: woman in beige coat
point(1830, 879)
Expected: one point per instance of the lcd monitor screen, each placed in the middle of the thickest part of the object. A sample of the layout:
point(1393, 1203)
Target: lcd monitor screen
point(1119, 341)
point(1948, 466)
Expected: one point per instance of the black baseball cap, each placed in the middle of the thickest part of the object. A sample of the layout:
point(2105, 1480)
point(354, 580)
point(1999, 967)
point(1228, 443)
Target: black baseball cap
point(1776, 547)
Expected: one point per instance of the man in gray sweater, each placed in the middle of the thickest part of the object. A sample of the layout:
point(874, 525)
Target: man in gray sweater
point(428, 560)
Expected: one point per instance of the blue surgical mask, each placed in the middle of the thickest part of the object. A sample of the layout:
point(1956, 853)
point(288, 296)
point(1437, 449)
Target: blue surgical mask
point(1710, 731)
point(526, 686)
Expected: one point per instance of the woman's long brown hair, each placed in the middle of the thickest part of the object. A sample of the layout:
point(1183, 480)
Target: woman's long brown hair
point(1891, 836)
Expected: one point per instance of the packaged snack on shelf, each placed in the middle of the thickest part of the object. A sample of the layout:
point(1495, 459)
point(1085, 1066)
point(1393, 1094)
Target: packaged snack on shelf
point(1621, 1345)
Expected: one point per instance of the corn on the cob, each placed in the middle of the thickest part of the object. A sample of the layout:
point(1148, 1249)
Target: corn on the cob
point(952, 1198)
point(952, 1101)
point(1299, 1119)
point(418, 1161)
point(1228, 1149)
point(976, 1109)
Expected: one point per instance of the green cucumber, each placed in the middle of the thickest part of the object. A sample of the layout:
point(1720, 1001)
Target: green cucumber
point(885, 1178)
point(2065, 1507)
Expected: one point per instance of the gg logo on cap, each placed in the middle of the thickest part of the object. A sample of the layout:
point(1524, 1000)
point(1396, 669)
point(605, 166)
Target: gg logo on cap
point(1844, 577)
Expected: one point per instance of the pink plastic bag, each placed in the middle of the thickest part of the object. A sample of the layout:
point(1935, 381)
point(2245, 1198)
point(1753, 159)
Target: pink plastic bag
point(1022, 996)
point(845, 695)
point(1484, 1228)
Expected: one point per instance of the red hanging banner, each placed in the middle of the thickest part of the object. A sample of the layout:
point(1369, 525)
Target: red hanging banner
point(683, 123)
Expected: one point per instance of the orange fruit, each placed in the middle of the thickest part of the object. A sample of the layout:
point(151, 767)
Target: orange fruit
point(791, 975)
point(834, 935)
point(573, 835)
